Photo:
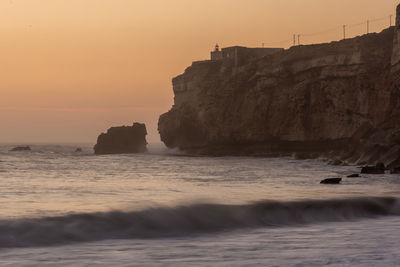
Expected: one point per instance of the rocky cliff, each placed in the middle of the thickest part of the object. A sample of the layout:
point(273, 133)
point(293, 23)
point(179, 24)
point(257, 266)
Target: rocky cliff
point(340, 99)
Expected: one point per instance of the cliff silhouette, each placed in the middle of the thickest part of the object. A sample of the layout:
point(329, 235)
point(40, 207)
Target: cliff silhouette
point(339, 99)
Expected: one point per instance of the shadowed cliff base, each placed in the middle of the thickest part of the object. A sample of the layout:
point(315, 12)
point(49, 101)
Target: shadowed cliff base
point(340, 100)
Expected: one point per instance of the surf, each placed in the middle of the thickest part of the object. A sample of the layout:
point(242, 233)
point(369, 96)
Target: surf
point(184, 220)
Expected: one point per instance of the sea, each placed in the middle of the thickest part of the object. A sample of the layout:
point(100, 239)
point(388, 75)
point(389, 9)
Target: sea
point(59, 207)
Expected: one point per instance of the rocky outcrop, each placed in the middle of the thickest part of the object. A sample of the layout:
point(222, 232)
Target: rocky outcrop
point(377, 169)
point(331, 181)
point(341, 100)
point(355, 175)
point(20, 148)
point(121, 140)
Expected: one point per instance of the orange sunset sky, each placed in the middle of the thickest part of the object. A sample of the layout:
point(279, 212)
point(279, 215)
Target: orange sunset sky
point(70, 69)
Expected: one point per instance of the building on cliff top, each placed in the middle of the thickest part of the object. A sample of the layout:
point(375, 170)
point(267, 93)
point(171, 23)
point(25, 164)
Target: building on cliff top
point(238, 52)
point(398, 15)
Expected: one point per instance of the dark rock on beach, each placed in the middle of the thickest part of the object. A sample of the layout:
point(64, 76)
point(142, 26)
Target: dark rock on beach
point(21, 148)
point(377, 169)
point(331, 181)
point(356, 175)
point(122, 140)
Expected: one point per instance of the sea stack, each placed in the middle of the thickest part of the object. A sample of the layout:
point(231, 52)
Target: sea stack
point(122, 140)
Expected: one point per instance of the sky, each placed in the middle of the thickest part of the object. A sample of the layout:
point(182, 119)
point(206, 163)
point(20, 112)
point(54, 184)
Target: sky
point(70, 69)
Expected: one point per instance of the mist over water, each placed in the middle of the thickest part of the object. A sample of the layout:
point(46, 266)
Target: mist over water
point(53, 196)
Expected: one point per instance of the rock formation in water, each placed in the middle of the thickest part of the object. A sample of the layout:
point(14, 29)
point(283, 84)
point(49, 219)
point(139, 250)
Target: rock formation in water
point(331, 181)
point(340, 99)
point(21, 148)
point(379, 168)
point(122, 140)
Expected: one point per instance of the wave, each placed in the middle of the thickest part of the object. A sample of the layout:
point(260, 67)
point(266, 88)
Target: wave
point(187, 220)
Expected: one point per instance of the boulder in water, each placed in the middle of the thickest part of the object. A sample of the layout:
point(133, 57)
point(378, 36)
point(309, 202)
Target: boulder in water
point(122, 140)
point(78, 150)
point(356, 175)
point(331, 181)
point(377, 169)
point(21, 148)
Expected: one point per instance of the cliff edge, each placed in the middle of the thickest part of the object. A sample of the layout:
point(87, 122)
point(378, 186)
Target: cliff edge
point(340, 99)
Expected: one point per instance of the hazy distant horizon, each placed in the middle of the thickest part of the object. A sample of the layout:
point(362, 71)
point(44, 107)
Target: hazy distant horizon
point(72, 69)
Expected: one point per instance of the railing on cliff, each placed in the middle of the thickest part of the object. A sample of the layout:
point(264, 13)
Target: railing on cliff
point(337, 33)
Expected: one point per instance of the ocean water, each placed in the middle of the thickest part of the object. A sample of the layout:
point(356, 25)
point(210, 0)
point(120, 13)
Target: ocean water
point(166, 208)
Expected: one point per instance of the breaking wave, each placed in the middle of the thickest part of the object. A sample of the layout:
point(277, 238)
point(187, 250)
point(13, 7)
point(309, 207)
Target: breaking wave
point(187, 220)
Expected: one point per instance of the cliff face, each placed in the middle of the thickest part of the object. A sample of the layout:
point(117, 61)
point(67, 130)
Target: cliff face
point(341, 99)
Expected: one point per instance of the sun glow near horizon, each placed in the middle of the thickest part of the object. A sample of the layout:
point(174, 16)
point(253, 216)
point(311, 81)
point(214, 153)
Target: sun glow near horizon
point(71, 69)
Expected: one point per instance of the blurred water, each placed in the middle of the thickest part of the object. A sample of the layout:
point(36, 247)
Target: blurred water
point(53, 180)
